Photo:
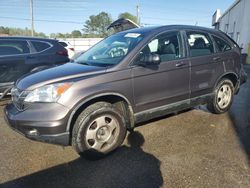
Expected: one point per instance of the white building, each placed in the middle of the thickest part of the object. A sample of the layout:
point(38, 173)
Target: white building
point(236, 23)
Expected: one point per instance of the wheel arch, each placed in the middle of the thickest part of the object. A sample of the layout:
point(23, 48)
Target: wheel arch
point(229, 75)
point(117, 99)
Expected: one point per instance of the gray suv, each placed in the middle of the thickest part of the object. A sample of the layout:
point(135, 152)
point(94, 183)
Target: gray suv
point(127, 78)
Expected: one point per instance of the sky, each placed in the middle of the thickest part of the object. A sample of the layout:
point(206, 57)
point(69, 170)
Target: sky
point(52, 16)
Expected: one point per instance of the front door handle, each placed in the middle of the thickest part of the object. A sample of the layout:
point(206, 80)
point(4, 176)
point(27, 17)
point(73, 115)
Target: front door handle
point(180, 64)
point(216, 59)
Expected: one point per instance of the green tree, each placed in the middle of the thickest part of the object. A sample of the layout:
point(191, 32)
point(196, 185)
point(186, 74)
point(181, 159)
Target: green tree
point(97, 25)
point(76, 34)
point(4, 30)
point(60, 35)
point(127, 15)
point(20, 32)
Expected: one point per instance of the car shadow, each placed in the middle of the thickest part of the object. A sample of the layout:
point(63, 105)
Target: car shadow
point(128, 166)
point(240, 115)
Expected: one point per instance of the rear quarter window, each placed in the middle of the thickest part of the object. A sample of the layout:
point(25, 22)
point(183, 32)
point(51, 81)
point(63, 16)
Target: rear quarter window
point(222, 45)
point(13, 47)
point(40, 46)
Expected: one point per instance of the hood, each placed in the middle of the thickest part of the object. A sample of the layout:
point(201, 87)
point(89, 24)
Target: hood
point(57, 74)
point(123, 24)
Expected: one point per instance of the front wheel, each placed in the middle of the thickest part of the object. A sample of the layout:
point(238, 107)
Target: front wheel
point(223, 97)
point(98, 130)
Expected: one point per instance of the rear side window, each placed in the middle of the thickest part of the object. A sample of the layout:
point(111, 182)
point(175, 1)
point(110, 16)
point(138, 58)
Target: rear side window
point(40, 46)
point(222, 46)
point(64, 44)
point(13, 47)
point(200, 44)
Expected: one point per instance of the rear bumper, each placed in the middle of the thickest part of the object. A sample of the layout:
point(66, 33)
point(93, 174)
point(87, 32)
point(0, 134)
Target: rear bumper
point(40, 127)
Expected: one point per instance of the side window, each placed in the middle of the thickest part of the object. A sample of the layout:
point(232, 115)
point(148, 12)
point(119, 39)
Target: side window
point(13, 47)
point(200, 44)
point(40, 46)
point(167, 45)
point(222, 46)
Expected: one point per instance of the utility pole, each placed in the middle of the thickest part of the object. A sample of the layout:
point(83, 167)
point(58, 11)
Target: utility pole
point(32, 18)
point(138, 14)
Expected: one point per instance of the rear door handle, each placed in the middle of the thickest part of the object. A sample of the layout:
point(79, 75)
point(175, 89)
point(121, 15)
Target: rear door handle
point(180, 64)
point(216, 59)
point(31, 57)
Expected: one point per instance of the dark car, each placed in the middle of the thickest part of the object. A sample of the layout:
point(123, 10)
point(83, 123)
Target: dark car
point(22, 55)
point(145, 73)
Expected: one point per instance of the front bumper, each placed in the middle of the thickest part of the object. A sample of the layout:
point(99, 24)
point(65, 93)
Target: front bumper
point(40, 122)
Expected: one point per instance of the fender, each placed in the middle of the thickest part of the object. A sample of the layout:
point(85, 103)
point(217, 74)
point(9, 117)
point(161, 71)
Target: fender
point(96, 96)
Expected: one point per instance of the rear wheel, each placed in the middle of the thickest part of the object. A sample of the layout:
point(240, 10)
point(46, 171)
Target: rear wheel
point(223, 97)
point(98, 130)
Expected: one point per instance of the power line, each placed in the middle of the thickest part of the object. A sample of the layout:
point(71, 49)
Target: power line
point(171, 19)
point(41, 20)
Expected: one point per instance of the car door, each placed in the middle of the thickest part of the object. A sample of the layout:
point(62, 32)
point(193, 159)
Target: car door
point(206, 65)
point(166, 83)
point(12, 59)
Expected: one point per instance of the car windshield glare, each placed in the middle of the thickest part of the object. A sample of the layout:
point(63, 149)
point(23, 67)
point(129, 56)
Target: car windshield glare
point(111, 50)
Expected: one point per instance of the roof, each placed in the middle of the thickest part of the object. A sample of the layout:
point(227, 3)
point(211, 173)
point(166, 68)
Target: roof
point(231, 7)
point(169, 27)
point(25, 38)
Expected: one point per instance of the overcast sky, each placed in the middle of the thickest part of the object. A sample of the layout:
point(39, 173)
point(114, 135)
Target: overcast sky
point(67, 15)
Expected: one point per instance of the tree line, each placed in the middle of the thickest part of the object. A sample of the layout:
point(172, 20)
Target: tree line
point(94, 27)
point(20, 32)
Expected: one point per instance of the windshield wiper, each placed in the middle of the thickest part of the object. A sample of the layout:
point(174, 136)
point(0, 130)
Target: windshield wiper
point(82, 62)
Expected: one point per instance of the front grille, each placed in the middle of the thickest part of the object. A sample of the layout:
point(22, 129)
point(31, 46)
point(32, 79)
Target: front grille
point(18, 97)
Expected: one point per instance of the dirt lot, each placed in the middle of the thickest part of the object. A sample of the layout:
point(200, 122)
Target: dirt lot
point(191, 149)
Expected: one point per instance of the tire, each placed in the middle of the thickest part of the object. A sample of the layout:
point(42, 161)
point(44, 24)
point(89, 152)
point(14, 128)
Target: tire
point(98, 130)
point(222, 98)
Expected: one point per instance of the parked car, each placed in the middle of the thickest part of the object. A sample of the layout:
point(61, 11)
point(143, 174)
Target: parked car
point(22, 55)
point(91, 103)
point(69, 47)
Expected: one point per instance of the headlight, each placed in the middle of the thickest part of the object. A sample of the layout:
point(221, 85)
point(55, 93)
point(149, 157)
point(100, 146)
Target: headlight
point(48, 93)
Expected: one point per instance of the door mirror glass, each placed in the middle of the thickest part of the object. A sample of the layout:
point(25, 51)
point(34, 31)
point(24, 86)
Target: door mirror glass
point(150, 59)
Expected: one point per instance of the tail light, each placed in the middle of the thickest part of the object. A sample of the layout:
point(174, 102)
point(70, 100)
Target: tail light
point(72, 49)
point(63, 52)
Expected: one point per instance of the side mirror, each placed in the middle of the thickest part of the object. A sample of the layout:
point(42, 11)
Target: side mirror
point(150, 59)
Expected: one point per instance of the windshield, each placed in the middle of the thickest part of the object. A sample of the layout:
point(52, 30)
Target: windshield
point(111, 50)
